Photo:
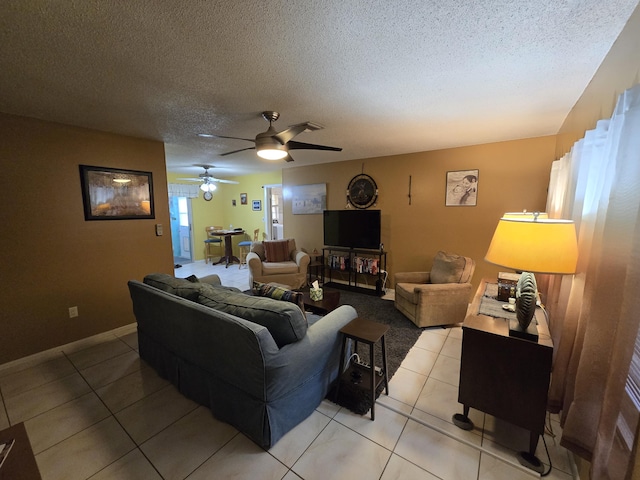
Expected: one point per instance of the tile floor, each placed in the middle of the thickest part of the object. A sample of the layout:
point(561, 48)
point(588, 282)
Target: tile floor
point(94, 410)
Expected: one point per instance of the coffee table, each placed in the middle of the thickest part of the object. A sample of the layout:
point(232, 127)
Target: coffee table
point(330, 301)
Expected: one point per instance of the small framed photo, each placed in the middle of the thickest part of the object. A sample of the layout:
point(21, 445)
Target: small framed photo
point(256, 205)
point(116, 194)
point(243, 199)
point(233, 202)
point(462, 188)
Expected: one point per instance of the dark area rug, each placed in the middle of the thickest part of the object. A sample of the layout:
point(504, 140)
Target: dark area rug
point(402, 334)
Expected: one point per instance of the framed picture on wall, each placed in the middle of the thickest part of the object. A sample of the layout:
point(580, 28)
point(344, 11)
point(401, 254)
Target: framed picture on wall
point(243, 199)
point(115, 194)
point(309, 199)
point(256, 205)
point(462, 188)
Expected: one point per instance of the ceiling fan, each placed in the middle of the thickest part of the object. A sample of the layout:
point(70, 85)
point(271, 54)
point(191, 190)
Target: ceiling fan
point(273, 145)
point(207, 179)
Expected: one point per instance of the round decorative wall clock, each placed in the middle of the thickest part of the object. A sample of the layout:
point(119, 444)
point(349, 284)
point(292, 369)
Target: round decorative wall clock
point(207, 196)
point(362, 191)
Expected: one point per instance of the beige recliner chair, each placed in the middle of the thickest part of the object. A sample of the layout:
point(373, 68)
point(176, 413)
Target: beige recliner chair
point(438, 297)
point(278, 261)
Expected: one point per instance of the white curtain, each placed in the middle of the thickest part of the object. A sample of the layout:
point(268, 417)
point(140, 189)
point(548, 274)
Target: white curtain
point(184, 190)
point(596, 313)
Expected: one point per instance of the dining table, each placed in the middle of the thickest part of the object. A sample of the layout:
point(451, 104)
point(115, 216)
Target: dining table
point(228, 235)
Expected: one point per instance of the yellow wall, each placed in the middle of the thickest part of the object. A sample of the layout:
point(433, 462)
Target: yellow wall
point(53, 259)
point(220, 210)
point(512, 176)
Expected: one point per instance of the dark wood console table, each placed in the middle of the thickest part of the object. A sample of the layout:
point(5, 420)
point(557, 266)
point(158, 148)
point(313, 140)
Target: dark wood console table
point(504, 376)
point(20, 464)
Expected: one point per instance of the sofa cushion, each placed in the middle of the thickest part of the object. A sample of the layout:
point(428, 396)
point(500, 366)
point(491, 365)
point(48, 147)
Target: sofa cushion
point(278, 292)
point(284, 320)
point(177, 286)
point(276, 250)
point(447, 268)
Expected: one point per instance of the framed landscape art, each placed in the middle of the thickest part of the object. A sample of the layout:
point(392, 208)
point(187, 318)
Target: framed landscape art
point(116, 194)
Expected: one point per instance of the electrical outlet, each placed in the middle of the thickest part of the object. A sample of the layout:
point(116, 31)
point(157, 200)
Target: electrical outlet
point(73, 312)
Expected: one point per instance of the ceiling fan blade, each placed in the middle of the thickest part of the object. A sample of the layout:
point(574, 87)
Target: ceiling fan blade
point(221, 180)
point(310, 146)
point(191, 179)
point(232, 138)
point(288, 158)
point(286, 135)
point(236, 151)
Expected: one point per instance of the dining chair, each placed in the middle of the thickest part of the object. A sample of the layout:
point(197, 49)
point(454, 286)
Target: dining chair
point(212, 240)
point(245, 247)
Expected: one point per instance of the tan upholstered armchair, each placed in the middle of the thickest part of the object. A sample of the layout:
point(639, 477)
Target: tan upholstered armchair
point(438, 297)
point(278, 261)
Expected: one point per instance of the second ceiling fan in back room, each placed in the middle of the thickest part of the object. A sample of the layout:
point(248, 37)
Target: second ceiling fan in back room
point(273, 145)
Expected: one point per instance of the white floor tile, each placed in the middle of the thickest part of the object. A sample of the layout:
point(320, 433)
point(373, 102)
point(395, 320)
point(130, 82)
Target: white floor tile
point(290, 447)
point(154, 413)
point(86, 453)
point(452, 347)
point(430, 450)
point(447, 369)
point(98, 353)
point(440, 399)
point(340, 453)
point(131, 388)
point(200, 436)
point(69, 419)
point(30, 403)
point(112, 369)
point(241, 458)
point(405, 386)
point(132, 466)
point(420, 361)
point(35, 376)
point(398, 467)
point(430, 340)
point(385, 430)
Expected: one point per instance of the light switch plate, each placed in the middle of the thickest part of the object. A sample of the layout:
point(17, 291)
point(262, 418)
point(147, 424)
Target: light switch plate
point(158, 229)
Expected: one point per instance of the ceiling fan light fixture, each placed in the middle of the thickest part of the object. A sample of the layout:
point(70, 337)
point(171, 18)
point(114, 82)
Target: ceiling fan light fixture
point(272, 153)
point(207, 187)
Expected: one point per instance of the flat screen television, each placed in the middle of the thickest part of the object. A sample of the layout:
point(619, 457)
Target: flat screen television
point(352, 228)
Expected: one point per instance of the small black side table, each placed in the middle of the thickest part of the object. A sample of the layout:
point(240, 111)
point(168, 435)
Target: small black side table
point(365, 331)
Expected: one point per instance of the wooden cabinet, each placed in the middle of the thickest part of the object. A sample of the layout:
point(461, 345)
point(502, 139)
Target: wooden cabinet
point(504, 376)
point(354, 269)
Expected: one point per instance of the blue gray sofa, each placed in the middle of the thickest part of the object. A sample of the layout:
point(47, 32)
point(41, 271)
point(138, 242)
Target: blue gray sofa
point(256, 362)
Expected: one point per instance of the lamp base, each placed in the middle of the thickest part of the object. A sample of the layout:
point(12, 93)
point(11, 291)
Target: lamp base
point(531, 333)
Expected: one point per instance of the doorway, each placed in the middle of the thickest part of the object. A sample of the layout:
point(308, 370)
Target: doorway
point(181, 241)
point(273, 218)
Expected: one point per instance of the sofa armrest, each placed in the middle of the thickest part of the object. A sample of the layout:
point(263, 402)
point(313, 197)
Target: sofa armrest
point(302, 259)
point(412, 277)
point(255, 264)
point(292, 364)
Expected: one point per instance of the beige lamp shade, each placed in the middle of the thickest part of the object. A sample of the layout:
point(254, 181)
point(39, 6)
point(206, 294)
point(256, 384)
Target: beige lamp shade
point(526, 215)
point(534, 245)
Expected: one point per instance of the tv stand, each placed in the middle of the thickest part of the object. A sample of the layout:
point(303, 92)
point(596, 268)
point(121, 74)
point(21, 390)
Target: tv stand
point(354, 269)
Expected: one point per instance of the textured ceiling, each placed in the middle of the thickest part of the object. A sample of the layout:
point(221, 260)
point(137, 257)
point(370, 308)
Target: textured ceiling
point(382, 77)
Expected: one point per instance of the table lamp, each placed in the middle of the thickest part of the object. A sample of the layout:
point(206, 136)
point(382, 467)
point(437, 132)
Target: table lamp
point(532, 244)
